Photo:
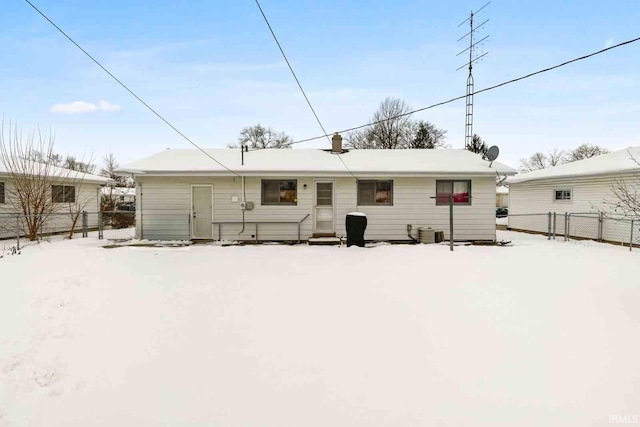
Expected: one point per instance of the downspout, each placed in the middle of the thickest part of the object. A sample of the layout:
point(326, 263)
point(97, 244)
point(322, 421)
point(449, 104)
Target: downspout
point(243, 205)
point(139, 198)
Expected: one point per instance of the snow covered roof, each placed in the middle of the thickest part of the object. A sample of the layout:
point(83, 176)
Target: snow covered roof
point(305, 161)
point(61, 173)
point(119, 191)
point(613, 163)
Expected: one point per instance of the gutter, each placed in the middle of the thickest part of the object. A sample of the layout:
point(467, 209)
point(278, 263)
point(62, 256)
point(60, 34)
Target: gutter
point(572, 176)
point(338, 174)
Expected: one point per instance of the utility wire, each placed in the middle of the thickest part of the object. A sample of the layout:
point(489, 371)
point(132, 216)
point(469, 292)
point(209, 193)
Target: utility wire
point(448, 101)
point(129, 90)
point(299, 85)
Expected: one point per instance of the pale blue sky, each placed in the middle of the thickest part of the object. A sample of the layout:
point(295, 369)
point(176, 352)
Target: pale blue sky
point(211, 68)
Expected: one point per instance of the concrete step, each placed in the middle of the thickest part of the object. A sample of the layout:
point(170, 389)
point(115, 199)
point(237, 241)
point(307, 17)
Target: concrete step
point(316, 235)
point(325, 241)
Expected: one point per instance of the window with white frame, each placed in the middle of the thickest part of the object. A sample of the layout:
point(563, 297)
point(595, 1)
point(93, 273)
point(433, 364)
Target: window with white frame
point(562, 195)
point(63, 194)
point(2, 200)
point(460, 189)
point(375, 192)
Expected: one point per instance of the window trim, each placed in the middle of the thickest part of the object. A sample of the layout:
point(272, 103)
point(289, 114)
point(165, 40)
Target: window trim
point(3, 193)
point(375, 181)
point(453, 181)
point(64, 193)
point(564, 191)
point(279, 203)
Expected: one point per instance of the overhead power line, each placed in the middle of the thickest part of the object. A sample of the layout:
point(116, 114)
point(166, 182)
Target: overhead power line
point(298, 82)
point(129, 90)
point(457, 98)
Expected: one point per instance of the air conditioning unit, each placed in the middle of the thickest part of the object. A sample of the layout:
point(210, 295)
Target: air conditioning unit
point(426, 235)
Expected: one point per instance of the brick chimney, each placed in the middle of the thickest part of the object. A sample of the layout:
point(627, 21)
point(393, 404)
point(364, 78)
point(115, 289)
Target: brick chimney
point(336, 143)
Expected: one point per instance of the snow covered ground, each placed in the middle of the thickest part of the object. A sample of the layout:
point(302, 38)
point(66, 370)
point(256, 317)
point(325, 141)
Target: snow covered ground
point(541, 333)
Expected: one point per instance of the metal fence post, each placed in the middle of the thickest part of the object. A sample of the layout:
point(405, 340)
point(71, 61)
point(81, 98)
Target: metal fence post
point(549, 226)
point(567, 230)
point(100, 226)
point(85, 224)
point(631, 238)
point(17, 233)
point(554, 226)
point(600, 226)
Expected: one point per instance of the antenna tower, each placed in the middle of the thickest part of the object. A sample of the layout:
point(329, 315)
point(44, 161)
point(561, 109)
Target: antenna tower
point(473, 58)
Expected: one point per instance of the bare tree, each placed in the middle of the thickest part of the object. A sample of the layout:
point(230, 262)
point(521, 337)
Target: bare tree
point(556, 157)
point(360, 139)
point(534, 162)
point(391, 128)
point(38, 190)
point(540, 160)
point(477, 145)
point(77, 204)
point(29, 182)
point(626, 194)
point(258, 136)
point(585, 151)
point(71, 163)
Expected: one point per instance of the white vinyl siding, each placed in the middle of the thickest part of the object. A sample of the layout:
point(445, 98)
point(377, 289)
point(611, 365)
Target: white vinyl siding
point(85, 195)
point(588, 194)
point(166, 209)
point(413, 204)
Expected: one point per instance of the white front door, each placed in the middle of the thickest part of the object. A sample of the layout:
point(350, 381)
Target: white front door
point(324, 207)
point(201, 216)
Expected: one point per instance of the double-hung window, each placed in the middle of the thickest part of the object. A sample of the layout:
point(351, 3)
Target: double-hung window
point(277, 192)
point(461, 190)
point(373, 193)
point(63, 194)
point(2, 199)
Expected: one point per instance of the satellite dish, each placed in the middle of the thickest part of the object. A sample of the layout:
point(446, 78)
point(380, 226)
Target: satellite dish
point(492, 153)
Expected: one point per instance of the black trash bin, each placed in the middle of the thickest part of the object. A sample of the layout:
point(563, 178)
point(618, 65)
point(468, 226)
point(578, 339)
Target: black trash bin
point(355, 224)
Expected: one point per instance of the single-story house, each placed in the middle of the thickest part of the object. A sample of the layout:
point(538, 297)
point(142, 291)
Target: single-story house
point(284, 195)
point(584, 186)
point(67, 191)
point(120, 194)
point(502, 196)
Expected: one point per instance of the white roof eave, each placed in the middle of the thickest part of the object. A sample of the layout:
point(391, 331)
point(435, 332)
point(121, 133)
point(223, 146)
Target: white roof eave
point(322, 173)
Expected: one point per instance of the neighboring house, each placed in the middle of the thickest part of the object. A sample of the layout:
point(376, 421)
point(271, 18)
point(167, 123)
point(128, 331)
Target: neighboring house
point(120, 194)
point(578, 187)
point(68, 190)
point(184, 194)
point(502, 196)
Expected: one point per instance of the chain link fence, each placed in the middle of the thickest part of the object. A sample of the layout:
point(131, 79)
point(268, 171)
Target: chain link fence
point(19, 231)
point(579, 225)
point(117, 225)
